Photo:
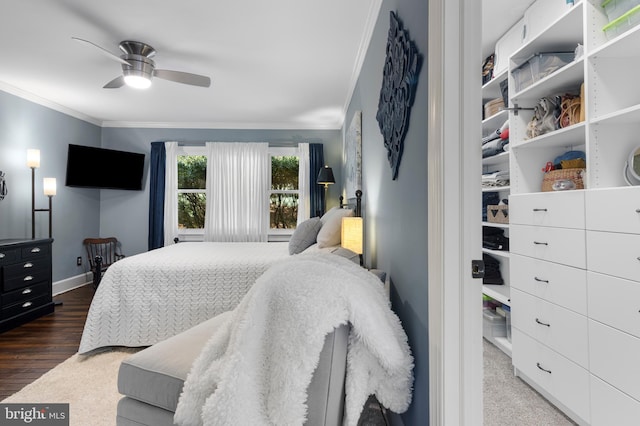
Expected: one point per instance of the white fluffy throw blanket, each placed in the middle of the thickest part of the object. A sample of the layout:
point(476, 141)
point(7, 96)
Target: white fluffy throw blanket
point(256, 368)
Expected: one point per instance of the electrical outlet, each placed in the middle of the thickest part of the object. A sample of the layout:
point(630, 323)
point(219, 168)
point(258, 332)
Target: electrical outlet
point(79, 261)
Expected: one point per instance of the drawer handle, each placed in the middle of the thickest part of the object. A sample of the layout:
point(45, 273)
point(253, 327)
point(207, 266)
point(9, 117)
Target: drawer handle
point(26, 291)
point(543, 369)
point(26, 304)
point(35, 250)
point(542, 323)
point(28, 265)
point(540, 280)
point(540, 243)
point(27, 278)
point(542, 210)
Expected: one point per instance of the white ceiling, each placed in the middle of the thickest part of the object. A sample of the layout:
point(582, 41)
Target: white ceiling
point(273, 64)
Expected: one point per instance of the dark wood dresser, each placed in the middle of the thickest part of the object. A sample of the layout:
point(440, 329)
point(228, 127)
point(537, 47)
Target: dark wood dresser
point(25, 281)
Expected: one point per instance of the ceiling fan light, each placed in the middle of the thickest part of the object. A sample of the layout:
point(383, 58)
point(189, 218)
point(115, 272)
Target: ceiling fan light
point(137, 81)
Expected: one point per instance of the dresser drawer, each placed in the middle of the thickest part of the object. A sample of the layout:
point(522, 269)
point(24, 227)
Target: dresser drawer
point(559, 245)
point(614, 210)
point(35, 250)
point(563, 379)
point(614, 357)
point(615, 302)
point(24, 306)
point(26, 293)
point(8, 255)
point(27, 278)
point(609, 406)
point(614, 254)
point(556, 209)
point(563, 285)
point(562, 330)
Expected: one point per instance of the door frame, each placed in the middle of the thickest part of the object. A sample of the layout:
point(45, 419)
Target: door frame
point(454, 211)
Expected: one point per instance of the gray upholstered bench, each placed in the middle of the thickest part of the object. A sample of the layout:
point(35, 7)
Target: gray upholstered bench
point(152, 379)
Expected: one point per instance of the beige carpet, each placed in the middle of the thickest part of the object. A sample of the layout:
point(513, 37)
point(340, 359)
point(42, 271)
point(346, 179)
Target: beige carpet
point(88, 384)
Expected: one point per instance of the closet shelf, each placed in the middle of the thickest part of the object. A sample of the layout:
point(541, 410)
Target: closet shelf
point(563, 35)
point(503, 157)
point(567, 78)
point(491, 90)
point(501, 293)
point(569, 137)
point(629, 115)
point(497, 253)
point(625, 45)
point(496, 225)
point(496, 188)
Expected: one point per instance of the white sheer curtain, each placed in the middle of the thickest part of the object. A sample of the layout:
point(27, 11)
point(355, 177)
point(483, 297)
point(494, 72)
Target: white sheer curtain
point(304, 206)
point(171, 193)
point(238, 176)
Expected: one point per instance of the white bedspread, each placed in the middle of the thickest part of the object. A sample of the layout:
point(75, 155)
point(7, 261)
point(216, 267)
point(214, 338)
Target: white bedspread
point(149, 297)
point(256, 368)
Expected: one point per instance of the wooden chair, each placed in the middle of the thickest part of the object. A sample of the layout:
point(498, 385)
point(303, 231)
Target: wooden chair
point(101, 253)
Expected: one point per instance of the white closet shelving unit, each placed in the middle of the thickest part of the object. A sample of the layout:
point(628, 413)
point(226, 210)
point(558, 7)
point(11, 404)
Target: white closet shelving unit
point(501, 293)
point(574, 269)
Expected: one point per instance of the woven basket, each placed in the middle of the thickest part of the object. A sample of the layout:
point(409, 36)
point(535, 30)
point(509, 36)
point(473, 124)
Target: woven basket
point(498, 213)
point(576, 175)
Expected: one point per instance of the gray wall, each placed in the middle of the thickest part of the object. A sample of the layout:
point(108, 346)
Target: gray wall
point(395, 211)
point(76, 214)
point(87, 212)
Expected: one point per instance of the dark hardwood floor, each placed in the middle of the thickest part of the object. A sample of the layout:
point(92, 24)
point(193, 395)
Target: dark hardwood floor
point(32, 349)
point(29, 351)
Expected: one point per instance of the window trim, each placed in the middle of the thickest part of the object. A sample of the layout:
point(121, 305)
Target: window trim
point(193, 234)
point(279, 234)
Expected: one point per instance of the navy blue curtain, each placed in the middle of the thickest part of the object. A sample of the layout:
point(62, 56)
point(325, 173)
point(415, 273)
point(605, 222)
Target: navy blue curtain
point(316, 162)
point(158, 164)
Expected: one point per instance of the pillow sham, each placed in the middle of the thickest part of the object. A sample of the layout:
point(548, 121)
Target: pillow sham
point(330, 233)
point(304, 235)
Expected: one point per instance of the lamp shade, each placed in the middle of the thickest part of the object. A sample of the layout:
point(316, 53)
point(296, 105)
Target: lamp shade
point(351, 236)
point(49, 186)
point(33, 158)
point(325, 176)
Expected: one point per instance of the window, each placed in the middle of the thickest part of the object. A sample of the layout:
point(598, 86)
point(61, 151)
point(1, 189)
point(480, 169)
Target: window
point(284, 195)
point(192, 186)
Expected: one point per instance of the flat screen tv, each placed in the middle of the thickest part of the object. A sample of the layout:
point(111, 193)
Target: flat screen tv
point(91, 167)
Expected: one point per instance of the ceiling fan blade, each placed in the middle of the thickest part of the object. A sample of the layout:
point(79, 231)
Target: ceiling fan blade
point(115, 83)
point(183, 77)
point(103, 50)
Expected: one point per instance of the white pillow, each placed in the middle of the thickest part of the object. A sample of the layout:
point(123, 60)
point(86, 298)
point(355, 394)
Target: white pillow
point(330, 233)
point(325, 217)
point(304, 235)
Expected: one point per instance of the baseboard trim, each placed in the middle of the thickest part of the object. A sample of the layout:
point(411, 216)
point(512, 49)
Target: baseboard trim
point(71, 283)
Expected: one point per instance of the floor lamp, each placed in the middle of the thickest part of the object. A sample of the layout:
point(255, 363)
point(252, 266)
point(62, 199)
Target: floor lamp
point(49, 185)
point(325, 177)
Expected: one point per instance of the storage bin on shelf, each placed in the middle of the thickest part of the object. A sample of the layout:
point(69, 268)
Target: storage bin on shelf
point(622, 24)
point(538, 66)
point(616, 8)
point(498, 213)
point(563, 179)
point(493, 107)
point(493, 325)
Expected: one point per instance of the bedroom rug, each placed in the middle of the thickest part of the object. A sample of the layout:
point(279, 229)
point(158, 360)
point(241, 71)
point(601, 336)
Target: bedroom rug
point(87, 384)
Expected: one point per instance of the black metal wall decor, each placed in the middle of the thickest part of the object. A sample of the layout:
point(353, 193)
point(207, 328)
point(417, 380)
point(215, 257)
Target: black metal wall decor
point(399, 81)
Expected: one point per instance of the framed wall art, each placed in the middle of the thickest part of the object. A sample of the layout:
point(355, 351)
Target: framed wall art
point(399, 81)
point(353, 155)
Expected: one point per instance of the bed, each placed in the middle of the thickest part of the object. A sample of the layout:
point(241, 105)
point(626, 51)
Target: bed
point(149, 297)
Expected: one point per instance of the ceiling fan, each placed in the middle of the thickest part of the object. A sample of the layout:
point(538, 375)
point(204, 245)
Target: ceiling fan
point(138, 68)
